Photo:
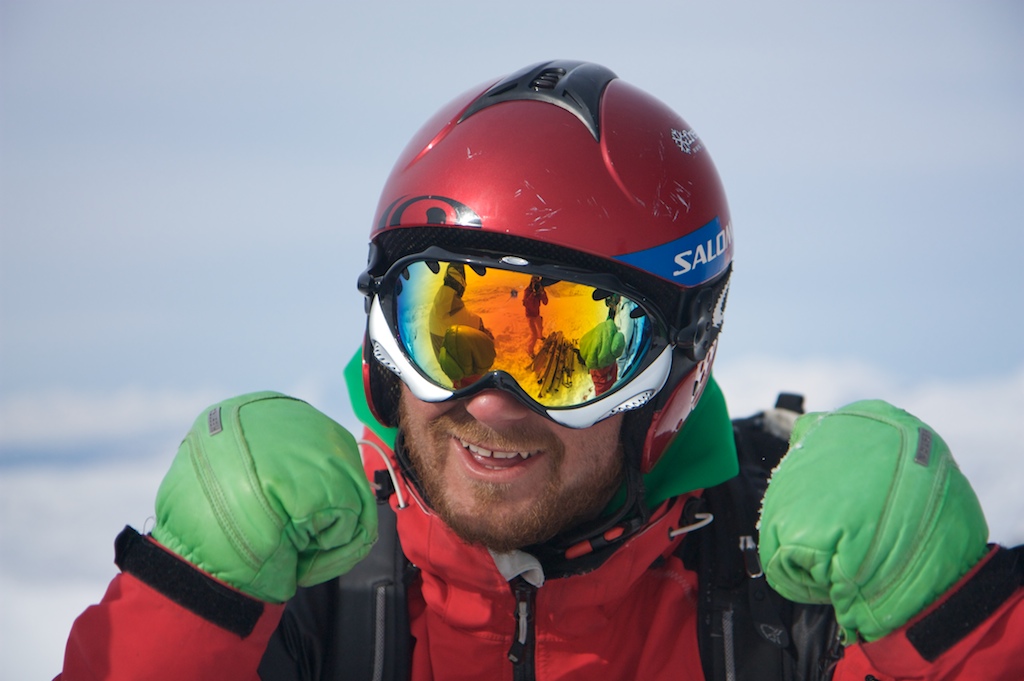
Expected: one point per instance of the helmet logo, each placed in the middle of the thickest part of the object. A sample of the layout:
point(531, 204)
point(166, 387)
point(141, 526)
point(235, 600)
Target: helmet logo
point(428, 210)
point(687, 141)
point(689, 260)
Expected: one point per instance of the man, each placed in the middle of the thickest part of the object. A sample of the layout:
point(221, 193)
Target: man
point(547, 531)
point(533, 297)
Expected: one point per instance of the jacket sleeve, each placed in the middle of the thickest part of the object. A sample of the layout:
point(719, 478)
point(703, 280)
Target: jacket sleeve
point(975, 631)
point(162, 618)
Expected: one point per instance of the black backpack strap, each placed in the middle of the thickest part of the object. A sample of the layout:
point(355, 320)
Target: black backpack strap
point(354, 627)
point(376, 591)
point(746, 630)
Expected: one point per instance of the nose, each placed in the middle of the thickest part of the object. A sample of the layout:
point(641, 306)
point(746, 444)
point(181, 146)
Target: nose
point(497, 409)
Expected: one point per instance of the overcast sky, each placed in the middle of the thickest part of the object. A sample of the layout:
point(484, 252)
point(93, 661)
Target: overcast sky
point(186, 191)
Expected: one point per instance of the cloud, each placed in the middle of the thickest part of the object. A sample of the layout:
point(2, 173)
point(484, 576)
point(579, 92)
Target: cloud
point(752, 381)
point(64, 417)
point(57, 535)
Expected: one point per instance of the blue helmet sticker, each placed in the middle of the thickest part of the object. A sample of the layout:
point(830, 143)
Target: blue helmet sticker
point(689, 260)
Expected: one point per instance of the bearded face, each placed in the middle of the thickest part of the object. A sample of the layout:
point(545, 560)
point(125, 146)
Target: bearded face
point(503, 476)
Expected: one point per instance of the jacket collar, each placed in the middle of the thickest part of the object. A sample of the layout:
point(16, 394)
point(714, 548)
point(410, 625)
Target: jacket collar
point(451, 566)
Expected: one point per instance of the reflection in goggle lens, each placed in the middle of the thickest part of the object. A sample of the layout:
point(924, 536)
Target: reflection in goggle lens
point(564, 343)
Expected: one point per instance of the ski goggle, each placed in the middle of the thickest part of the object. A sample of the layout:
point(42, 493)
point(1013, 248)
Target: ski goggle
point(574, 346)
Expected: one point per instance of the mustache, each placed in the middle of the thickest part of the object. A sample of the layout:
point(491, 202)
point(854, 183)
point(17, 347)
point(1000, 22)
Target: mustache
point(459, 423)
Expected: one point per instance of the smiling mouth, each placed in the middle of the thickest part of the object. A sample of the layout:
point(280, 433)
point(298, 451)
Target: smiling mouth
point(496, 454)
point(495, 458)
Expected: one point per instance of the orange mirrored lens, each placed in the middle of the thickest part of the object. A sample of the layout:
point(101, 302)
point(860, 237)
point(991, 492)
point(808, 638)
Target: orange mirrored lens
point(563, 347)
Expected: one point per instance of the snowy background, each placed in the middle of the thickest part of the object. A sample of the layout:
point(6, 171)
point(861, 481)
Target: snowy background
point(186, 189)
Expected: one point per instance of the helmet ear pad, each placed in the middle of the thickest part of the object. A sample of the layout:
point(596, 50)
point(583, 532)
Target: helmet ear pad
point(381, 387)
point(669, 416)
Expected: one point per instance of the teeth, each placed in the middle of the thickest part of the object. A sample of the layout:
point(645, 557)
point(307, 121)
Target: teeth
point(480, 451)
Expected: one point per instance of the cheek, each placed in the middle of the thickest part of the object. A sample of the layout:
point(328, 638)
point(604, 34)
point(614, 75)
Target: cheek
point(416, 414)
point(596, 448)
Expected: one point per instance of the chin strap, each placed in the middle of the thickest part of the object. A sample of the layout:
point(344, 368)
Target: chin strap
point(406, 468)
point(590, 538)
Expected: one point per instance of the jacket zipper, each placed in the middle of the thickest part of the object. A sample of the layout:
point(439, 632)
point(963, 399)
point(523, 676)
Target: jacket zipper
point(523, 641)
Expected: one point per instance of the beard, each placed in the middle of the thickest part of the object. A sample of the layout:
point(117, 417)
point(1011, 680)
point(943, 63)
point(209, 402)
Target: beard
point(557, 507)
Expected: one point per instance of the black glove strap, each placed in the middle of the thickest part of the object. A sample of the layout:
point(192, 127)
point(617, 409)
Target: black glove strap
point(970, 605)
point(185, 584)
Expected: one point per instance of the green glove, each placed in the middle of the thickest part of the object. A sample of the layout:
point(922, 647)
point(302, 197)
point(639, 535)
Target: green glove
point(466, 352)
point(266, 493)
point(602, 345)
point(868, 511)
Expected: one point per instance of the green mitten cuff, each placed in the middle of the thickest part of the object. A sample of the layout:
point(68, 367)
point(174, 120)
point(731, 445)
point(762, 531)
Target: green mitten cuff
point(602, 345)
point(267, 493)
point(868, 511)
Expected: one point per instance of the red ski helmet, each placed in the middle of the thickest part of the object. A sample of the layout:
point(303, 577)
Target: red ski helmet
point(575, 174)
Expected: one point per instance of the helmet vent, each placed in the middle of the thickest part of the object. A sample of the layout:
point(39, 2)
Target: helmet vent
point(575, 86)
point(547, 79)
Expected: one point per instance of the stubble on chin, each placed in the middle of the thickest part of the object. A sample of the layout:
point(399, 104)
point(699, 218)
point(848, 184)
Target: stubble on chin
point(487, 521)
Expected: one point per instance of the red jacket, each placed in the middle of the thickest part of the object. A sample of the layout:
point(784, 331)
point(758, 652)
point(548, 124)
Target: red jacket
point(632, 618)
point(532, 299)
